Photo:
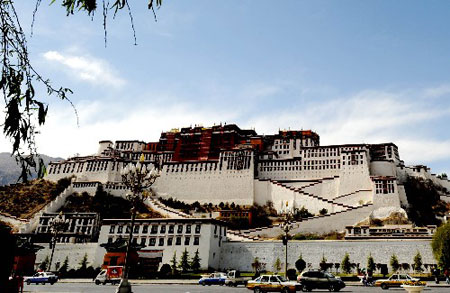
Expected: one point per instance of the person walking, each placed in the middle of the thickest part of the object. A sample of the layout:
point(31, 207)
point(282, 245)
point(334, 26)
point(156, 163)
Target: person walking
point(447, 276)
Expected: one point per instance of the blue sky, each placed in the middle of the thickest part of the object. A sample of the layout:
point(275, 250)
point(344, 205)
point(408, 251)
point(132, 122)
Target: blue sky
point(354, 71)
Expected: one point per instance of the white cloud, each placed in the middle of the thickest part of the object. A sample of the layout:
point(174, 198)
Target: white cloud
point(367, 117)
point(93, 70)
point(435, 92)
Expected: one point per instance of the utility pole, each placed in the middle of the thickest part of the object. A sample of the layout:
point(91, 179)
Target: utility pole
point(286, 226)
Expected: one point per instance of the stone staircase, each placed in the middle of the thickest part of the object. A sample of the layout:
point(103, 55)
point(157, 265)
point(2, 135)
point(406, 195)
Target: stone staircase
point(154, 203)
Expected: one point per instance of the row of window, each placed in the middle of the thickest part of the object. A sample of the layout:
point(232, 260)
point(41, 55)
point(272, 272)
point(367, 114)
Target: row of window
point(153, 229)
point(161, 241)
point(384, 187)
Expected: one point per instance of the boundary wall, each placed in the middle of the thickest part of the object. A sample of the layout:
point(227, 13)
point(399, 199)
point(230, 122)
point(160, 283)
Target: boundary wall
point(240, 255)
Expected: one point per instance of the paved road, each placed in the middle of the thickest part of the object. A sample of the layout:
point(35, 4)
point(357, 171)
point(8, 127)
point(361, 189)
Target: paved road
point(85, 288)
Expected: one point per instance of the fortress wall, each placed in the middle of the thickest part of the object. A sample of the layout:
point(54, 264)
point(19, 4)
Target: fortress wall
point(382, 168)
point(328, 188)
point(298, 174)
point(301, 184)
point(262, 192)
point(240, 255)
point(356, 198)
point(206, 184)
point(402, 195)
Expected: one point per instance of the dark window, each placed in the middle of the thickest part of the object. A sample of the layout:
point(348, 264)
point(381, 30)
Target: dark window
point(161, 241)
point(178, 241)
point(112, 229)
point(169, 241)
point(128, 229)
point(180, 229)
point(152, 241)
point(154, 229)
point(197, 228)
point(145, 229)
point(163, 229)
point(143, 241)
point(171, 229)
point(188, 229)
point(110, 240)
point(196, 240)
point(187, 240)
point(136, 229)
point(120, 229)
point(215, 229)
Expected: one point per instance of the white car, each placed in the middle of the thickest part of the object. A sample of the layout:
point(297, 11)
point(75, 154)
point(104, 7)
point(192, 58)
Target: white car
point(396, 280)
point(41, 278)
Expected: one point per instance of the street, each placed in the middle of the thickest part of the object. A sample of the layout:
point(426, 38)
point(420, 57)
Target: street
point(140, 288)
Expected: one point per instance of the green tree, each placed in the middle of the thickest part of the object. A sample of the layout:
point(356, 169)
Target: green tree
point(277, 265)
point(300, 264)
point(346, 265)
point(370, 263)
point(184, 261)
point(173, 263)
point(418, 262)
point(256, 265)
point(323, 263)
point(84, 262)
point(323, 211)
point(441, 246)
point(64, 267)
point(394, 263)
point(44, 264)
point(195, 263)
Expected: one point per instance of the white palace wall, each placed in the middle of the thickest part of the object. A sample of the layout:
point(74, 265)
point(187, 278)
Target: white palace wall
point(240, 255)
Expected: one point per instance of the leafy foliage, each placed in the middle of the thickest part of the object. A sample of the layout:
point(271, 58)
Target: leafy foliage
point(424, 201)
point(107, 205)
point(302, 213)
point(277, 265)
point(44, 264)
point(195, 262)
point(65, 266)
point(394, 263)
point(173, 263)
point(323, 263)
point(184, 264)
point(370, 263)
point(441, 246)
point(257, 265)
point(346, 265)
point(300, 264)
point(418, 262)
point(84, 262)
point(23, 200)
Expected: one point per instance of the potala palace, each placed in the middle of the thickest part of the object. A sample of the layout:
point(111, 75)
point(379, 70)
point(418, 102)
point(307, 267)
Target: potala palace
point(291, 169)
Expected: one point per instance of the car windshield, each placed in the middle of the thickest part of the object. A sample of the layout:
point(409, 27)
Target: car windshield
point(282, 279)
point(328, 275)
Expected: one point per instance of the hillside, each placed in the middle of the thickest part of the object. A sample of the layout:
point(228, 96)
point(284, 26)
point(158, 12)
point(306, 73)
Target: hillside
point(10, 171)
point(23, 200)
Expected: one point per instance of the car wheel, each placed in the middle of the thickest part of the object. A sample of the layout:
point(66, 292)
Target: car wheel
point(43, 283)
point(28, 283)
point(331, 288)
point(257, 290)
point(384, 286)
point(97, 282)
point(51, 283)
point(285, 290)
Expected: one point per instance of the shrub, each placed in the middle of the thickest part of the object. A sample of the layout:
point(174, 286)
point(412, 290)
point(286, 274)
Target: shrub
point(346, 265)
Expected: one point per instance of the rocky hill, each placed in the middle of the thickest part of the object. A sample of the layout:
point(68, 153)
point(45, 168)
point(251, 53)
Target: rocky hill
point(10, 171)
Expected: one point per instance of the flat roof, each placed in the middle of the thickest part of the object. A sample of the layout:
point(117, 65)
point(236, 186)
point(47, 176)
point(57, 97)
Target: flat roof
point(168, 220)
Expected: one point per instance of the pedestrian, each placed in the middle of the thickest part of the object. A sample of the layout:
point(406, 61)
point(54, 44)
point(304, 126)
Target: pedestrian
point(447, 276)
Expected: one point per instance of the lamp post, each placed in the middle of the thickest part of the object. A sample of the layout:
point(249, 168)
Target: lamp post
point(136, 178)
point(286, 226)
point(57, 224)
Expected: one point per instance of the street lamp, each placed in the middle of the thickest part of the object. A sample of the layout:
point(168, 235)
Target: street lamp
point(57, 224)
point(136, 178)
point(286, 226)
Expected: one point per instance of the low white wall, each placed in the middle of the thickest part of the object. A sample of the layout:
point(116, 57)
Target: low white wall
point(240, 255)
point(355, 199)
point(74, 251)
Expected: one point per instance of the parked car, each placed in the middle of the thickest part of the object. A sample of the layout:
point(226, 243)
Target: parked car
point(213, 279)
point(274, 283)
point(111, 274)
point(42, 278)
point(234, 278)
point(396, 280)
point(320, 280)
